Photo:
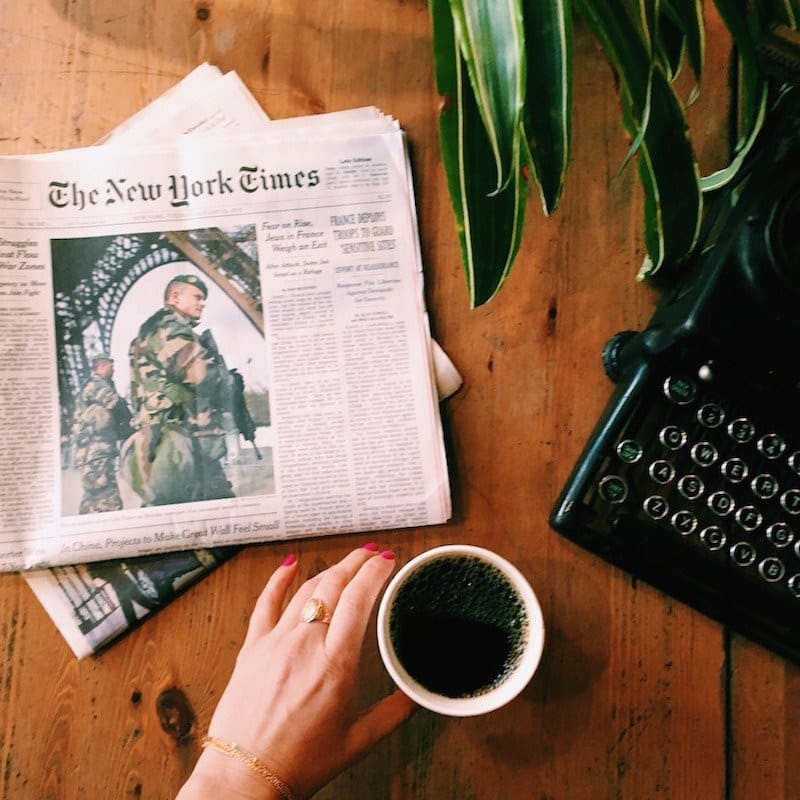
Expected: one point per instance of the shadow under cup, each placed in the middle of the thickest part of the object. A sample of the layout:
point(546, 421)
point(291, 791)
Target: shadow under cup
point(460, 630)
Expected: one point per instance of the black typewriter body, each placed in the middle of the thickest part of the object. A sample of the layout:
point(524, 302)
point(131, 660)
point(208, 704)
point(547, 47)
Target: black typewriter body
point(691, 479)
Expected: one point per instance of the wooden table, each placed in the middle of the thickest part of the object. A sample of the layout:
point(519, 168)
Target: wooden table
point(638, 697)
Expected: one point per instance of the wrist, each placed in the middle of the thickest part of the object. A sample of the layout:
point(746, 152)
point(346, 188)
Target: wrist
point(218, 775)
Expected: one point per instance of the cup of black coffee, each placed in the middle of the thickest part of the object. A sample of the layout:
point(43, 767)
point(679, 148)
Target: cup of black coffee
point(460, 630)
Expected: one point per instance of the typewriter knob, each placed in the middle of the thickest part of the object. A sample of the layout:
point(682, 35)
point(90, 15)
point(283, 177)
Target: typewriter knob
point(613, 363)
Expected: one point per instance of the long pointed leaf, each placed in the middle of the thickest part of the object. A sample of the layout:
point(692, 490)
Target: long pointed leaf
point(447, 67)
point(670, 177)
point(630, 41)
point(489, 225)
point(688, 16)
point(493, 221)
point(668, 170)
point(752, 86)
point(723, 176)
point(670, 47)
point(490, 34)
point(792, 10)
point(741, 26)
point(548, 42)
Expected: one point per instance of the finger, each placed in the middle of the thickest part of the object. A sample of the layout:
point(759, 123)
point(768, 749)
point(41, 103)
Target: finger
point(350, 621)
point(377, 722)
point(268, 607)
point(333, 580)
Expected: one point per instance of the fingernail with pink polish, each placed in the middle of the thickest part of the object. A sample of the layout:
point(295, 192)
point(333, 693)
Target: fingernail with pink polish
point(289, 560)
point(372, 547)
point(388, 555)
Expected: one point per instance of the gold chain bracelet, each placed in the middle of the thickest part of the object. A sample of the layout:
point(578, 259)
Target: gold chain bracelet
point(254, 762)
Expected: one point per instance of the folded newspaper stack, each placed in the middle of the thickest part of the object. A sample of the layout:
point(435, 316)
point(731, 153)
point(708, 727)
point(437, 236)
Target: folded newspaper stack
point(215, 324)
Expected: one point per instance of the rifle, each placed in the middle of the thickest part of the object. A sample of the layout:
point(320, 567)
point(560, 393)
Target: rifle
point(122, 417)
point(241, 414)
point(235, 389)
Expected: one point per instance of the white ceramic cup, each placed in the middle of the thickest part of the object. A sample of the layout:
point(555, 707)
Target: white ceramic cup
point(517, 676)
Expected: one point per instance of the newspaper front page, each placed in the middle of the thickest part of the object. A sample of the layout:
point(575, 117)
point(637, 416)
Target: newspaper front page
point(93, 604)
point(307, 253)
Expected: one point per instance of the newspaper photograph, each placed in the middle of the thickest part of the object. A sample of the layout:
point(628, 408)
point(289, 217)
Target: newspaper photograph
point(94, 604)
point(214, 345)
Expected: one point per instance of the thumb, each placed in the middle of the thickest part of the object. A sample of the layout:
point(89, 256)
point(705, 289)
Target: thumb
point(378, 721)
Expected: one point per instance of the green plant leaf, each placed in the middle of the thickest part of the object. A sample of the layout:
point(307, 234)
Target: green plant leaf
point(744, 29)
point(503, 68)
point(490, 34)
point(447, 67)
point(548, 42)
point(489, 224)
point(651, 112)
point(670, 177)
point(670, 47)
point(716, 180)
point(687, 16)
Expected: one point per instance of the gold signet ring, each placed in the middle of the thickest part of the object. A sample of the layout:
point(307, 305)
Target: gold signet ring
point(315, 610)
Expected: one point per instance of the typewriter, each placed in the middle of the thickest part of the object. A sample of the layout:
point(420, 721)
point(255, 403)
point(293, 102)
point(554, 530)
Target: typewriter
point(691, 478)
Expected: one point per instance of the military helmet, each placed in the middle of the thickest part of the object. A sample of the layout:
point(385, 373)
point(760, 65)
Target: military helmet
point(101, 357)
point(192, 280)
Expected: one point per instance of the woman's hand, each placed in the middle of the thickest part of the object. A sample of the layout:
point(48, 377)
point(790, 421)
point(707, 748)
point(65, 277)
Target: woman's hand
point(291, 698)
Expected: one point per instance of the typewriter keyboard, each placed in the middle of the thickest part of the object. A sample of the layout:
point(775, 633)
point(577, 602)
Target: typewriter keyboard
point(701, 467)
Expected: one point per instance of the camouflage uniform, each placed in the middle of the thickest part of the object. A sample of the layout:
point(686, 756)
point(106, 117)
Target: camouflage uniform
point(179, 389)
point(95, 430)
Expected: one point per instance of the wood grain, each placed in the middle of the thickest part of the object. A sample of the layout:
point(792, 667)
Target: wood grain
point(637, 696)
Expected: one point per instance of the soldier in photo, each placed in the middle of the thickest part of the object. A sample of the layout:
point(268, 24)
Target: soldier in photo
point(102, 419)
point(180, 388)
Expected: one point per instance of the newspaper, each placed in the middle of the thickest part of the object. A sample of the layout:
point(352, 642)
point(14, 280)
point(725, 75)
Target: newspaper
point(334, 337)
point(93, 604)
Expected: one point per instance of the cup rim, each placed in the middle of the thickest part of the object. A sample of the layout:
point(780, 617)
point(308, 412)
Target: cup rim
point(494, 698)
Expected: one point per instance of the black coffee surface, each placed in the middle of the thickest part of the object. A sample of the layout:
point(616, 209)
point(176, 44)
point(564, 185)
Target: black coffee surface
point(458, 626)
